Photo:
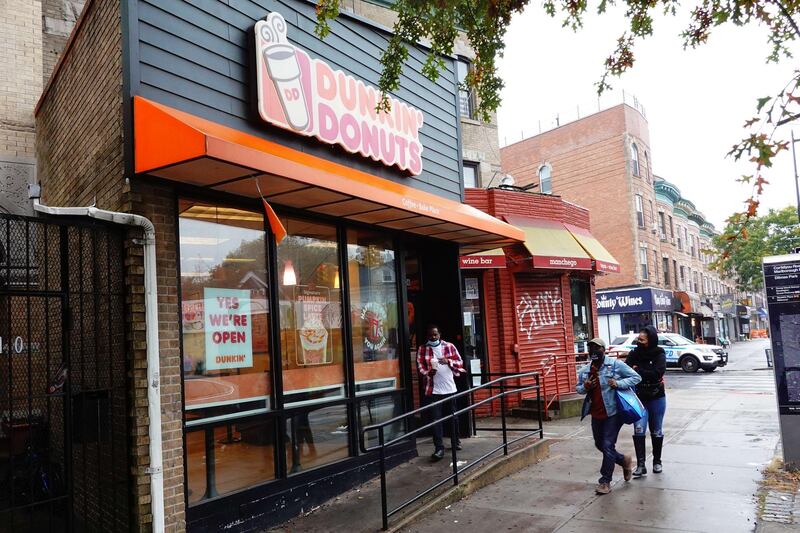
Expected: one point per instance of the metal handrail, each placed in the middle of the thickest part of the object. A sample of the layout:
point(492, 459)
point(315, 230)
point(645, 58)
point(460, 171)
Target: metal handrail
point(499, 383)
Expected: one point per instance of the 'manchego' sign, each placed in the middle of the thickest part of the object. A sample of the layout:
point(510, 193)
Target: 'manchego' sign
point(308, 97)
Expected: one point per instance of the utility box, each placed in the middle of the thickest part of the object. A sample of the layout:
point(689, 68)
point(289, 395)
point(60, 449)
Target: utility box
point(782, 285)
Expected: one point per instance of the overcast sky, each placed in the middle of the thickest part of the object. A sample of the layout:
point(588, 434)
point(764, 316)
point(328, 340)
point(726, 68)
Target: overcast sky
point(695, 100)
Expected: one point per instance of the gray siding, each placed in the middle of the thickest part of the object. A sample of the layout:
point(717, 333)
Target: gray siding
point(195, 55)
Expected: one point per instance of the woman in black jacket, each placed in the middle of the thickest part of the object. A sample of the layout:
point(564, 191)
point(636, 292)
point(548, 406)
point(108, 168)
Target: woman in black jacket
point(649, 360)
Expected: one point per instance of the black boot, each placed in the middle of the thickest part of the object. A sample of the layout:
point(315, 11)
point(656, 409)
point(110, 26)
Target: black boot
point(657, 444)
point(641, 454)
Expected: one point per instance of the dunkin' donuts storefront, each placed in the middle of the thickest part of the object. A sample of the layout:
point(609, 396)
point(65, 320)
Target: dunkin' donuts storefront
point(303, 239)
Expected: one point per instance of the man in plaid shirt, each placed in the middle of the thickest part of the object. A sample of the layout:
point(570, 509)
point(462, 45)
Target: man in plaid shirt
point(439, 362)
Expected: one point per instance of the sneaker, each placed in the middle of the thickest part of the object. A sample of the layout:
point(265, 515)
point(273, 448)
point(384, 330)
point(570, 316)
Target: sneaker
point(438, 455)
point(657, 468)
point(603, 488)
point(627, 467)
point(458, 446)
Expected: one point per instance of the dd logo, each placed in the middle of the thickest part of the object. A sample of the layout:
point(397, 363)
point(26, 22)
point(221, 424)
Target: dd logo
point(291, 94)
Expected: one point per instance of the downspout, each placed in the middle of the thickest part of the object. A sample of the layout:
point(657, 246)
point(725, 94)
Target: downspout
point(151, 323)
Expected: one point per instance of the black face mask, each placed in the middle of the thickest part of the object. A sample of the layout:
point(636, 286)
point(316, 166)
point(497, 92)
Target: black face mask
point(595, 353)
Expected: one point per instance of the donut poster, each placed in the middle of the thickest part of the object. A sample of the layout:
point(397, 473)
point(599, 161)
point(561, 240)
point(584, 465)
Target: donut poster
point(228, 328)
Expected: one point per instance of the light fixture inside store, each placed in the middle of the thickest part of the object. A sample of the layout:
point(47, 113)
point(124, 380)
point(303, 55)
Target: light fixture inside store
point(336, 280)
point(289, 277)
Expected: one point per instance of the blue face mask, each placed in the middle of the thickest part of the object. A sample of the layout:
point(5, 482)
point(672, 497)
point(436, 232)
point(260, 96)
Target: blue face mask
point(434, 343)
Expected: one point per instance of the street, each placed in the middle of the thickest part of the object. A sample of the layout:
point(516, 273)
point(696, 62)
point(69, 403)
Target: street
point(720, 431)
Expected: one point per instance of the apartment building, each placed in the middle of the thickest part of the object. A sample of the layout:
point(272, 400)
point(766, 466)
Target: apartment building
point(660, 238)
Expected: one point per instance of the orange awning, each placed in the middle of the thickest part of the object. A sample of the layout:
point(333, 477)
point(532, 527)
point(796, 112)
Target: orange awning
point(178, 146)
point(603, 260)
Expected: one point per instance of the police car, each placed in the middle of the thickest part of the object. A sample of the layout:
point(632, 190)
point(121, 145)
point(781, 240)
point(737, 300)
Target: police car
point(680, 351)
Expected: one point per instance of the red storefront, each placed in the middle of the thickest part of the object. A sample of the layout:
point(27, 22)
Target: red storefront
point(534, 304)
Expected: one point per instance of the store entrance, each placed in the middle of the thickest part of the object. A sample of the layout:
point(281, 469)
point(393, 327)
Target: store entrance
point(433, 297)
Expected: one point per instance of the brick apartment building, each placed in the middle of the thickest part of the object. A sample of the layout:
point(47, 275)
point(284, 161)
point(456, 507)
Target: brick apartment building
point(604, 162)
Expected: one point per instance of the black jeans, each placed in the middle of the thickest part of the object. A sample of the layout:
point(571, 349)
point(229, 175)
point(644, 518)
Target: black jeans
point(436, 414)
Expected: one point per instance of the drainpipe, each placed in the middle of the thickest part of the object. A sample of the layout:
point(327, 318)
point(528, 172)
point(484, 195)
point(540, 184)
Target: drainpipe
point(151, 323)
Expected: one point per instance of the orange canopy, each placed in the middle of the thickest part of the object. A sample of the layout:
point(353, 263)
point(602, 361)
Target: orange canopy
point(179, 146)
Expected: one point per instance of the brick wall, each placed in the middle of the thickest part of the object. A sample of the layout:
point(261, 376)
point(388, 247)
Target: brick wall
point(79, 121)
point(20, 85)
point(590, 161)
point(157, 203)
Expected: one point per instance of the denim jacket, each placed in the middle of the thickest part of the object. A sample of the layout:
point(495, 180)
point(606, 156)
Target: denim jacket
point(625, 376)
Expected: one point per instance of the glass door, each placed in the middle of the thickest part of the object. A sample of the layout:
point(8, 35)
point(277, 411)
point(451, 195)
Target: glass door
point(474, 338)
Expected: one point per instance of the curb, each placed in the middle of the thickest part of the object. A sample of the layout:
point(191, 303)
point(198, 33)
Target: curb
point(483, 476)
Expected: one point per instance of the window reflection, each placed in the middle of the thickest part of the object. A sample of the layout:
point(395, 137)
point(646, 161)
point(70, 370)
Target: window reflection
point(380, 409)
point(373, 311)
point(225, 315)
point(312, 352)
point(226, 360)
point(316, 438)
point(229, 457)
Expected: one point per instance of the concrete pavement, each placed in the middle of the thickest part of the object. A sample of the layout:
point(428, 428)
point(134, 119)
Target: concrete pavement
point(720, 431)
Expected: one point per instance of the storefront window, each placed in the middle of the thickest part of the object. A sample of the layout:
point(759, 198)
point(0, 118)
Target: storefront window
point(312, 354)
point(581, 313)
point(373, 311)
point(226, 359)
point(316, 438)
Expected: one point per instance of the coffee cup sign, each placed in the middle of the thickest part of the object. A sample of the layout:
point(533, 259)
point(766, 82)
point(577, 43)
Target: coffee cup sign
point(228, 328)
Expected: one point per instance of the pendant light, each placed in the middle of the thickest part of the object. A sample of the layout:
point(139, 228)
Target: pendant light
point(289, 277)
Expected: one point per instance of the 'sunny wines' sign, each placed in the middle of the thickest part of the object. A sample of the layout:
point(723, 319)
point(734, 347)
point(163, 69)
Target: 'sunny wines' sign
point(228, 332)
point(308, 97)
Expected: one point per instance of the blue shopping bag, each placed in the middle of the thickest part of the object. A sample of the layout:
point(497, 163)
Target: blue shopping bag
point(629, 407)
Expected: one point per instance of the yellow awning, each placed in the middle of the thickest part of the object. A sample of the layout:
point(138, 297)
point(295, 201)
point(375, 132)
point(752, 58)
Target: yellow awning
point(551, 245)
point(604, 261)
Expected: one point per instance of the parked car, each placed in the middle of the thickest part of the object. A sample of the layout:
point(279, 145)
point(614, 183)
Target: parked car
point(681, 352)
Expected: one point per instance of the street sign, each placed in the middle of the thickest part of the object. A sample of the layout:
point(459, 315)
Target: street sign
point(782, 284)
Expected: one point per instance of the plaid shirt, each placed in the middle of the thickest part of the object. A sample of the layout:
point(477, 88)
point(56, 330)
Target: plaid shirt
point(424, 356)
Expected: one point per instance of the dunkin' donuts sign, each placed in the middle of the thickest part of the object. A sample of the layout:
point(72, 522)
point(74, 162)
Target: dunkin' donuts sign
point(308, 97)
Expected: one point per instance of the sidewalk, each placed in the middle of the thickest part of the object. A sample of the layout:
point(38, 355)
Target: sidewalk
point(359, 510)
point(716, 443)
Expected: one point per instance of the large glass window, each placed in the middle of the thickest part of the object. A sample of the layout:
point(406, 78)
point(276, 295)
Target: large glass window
point(226, 358)
point(374, 313)
point(312, 353)
point(316, 437)
point(474, 341)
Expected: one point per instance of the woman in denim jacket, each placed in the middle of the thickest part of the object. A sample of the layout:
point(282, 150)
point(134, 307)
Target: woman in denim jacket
point(597, 380)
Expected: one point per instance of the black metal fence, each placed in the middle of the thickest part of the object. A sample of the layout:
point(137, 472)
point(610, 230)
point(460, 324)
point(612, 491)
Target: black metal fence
point(511, 384)
point(63, 372)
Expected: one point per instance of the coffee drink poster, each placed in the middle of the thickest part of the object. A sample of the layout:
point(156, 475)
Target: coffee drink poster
point(313, 336)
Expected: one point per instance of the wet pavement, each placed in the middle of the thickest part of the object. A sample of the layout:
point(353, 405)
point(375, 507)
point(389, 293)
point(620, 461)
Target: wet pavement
point(720, 430)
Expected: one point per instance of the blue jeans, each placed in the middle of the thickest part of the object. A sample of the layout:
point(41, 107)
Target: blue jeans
point(653, 417)
point(605, 434)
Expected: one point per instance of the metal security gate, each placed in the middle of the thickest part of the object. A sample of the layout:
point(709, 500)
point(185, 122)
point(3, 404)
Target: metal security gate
point(63, 414)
